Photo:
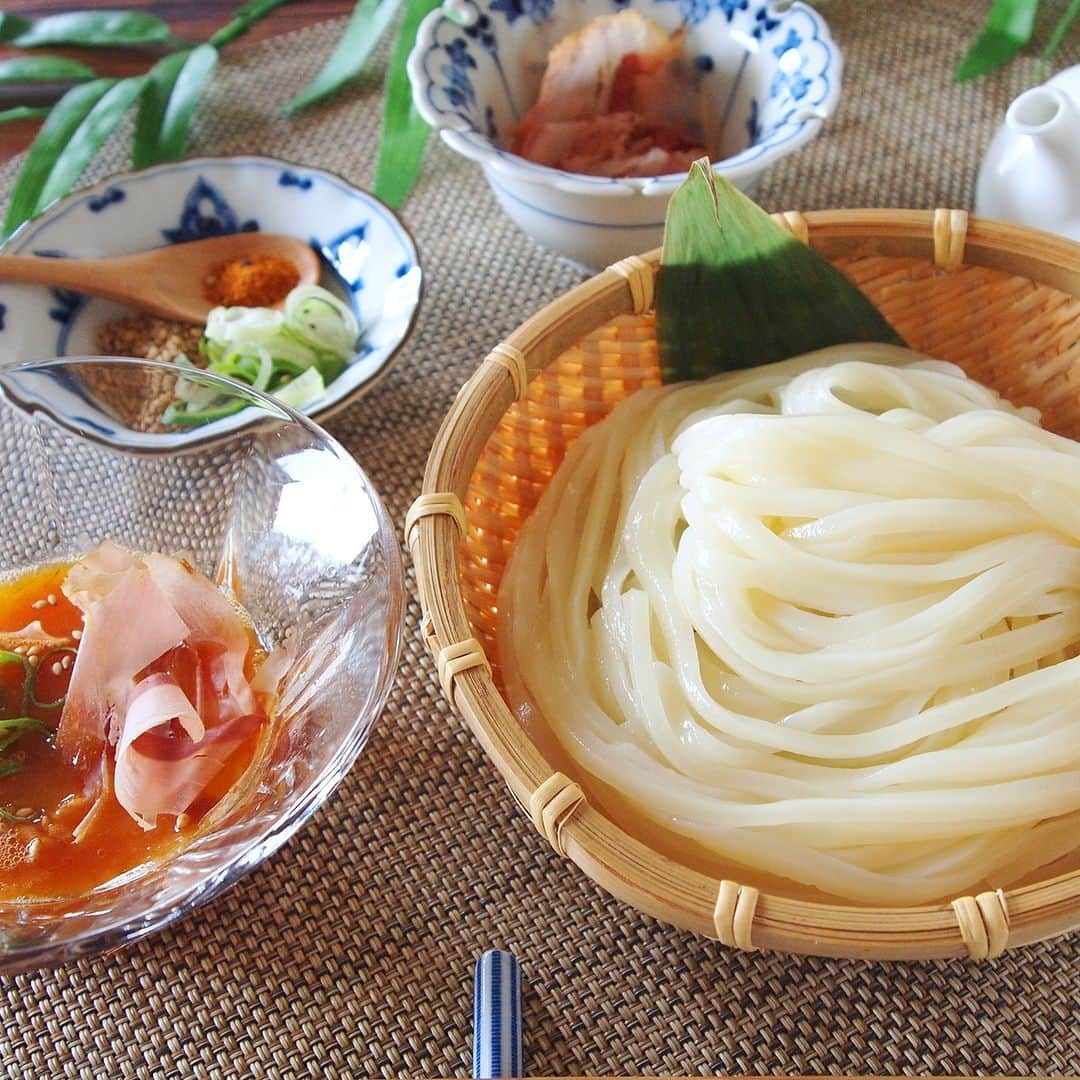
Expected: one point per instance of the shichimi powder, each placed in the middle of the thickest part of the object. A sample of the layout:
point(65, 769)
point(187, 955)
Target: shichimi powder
point(259, 281)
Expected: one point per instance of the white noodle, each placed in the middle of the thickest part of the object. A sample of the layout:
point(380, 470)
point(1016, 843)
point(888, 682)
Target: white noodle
point(821, 617)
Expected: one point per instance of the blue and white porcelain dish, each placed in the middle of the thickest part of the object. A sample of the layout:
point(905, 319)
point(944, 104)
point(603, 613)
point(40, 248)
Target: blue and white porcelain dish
point(370, 260)
point(771, 73)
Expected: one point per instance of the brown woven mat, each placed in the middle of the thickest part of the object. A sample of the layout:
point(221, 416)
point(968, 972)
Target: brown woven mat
point(351, 951)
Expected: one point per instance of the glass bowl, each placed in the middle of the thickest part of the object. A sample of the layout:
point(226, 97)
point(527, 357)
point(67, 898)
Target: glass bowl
point(278, 510)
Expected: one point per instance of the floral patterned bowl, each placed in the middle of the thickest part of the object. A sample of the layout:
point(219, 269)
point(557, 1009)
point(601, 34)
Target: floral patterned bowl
point(368, 258)
point(770, 70)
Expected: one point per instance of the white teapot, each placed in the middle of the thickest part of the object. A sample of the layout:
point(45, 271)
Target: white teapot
point(1031, 172)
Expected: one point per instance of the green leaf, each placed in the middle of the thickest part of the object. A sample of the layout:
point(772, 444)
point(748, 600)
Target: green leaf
point(24, 112)
point(95, 28)
point(736, 289)
point(1057, 36)
point(42, 69)
point(11, 26)
point(405, 132)
point(169, 98)
point(369, 21)
point(1008, 29)
point(73, 133)
point(247, 15)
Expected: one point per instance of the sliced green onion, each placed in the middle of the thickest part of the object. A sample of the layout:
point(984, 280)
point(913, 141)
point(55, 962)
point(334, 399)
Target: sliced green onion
point(196, 394)
point(319, 317)
point(287, 367)
point(295, 352)
point(178, 416)
point(6, 814)
point(266, 368)
point(250, 324)
point(330, 366)
point(303, 390)
point(18, 726)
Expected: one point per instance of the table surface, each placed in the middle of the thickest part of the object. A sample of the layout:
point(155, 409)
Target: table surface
point(195, 20)
point(351, 950)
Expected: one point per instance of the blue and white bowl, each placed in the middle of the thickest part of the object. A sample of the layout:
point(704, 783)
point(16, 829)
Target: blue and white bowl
point(369, 258)
point(771, 73)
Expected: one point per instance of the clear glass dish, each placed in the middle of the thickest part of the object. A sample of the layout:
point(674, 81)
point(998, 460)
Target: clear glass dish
point(276, 508)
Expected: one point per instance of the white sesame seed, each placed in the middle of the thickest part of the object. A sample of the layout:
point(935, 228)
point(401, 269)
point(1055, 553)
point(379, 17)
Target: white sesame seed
point(56, 668)
point(26, 812)
point(51, 598)
point(20, 649)
point(66, 662)
point(76, 634)
point(33, 650)
point(37, 605)
point(33, 660)
point(33, 849)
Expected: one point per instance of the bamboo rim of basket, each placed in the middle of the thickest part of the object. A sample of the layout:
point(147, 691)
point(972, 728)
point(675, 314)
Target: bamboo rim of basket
point(972, 926)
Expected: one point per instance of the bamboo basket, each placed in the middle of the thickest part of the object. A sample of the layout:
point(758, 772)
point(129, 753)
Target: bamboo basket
point(1000, 300)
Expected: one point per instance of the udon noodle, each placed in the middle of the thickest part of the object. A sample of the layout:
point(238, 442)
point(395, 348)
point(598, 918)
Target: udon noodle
point(821, 618)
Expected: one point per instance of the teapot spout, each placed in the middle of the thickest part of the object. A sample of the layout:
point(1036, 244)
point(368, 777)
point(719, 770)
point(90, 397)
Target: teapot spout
point(1031, 168)
point(1047, 114)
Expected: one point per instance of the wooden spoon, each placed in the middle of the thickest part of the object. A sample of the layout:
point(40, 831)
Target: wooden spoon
point(167, 281)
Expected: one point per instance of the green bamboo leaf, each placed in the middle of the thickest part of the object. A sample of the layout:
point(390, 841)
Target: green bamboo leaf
point(24, 112)
point(368, 23)
point(736, 289)
point(247, 15)
point(73, 133)
point(1008, 29)
point(11, 26)
point(405, 132)
point(42, 69)
point(1057, 36)
point(169, 98)
point(94, 28)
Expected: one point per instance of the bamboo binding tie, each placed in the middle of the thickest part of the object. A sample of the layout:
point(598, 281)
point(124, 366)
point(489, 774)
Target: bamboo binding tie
point(641, 278)
point(551, 805)
point(452, 660)
point(984, 924)
point(733, 915)
point(950, 235)
point(795, 224)
point(428, 635)
point(435, 502)
point(512, 359)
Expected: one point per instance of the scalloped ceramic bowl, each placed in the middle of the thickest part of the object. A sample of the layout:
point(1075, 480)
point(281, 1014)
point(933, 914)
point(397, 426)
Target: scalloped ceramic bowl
point(771, 73)
point(368, 256)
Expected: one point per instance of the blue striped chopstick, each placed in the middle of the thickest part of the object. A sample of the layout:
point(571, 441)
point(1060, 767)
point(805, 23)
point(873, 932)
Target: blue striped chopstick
point(496, 1016)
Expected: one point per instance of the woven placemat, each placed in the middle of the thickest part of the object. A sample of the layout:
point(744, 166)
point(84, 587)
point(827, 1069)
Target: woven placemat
point(351, 951)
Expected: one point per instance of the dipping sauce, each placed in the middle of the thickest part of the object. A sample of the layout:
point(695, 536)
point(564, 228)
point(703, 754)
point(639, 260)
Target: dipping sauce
point(65, 743)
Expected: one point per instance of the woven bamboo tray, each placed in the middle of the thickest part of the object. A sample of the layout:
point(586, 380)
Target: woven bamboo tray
point(1001, 301)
